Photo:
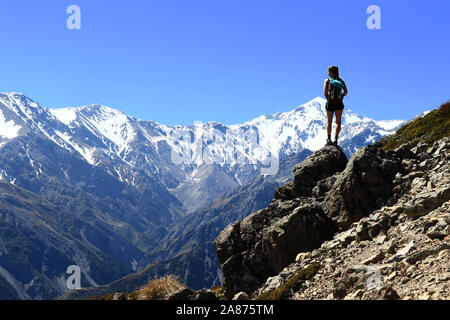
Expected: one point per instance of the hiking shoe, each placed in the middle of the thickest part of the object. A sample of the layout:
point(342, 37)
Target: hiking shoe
point(329, 142)
point(335, 142)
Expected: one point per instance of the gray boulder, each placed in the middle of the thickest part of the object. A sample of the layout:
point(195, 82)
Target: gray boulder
point(205, 295)
point(182, 294)
point(241, 296)
point(427, 202)
point(119, 296)
point(320, 165)
point(267, 241)
point(364, 186)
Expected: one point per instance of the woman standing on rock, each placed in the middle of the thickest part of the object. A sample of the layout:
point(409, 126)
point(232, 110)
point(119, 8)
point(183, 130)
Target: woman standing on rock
point(334, 90)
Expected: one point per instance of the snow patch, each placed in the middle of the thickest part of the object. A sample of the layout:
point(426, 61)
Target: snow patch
point(86, 152)
point(113, 125)
point(390, 124)
point(8, 128)
point(65, 115)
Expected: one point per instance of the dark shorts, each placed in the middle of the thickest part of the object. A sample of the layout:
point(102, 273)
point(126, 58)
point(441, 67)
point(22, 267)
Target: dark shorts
point(334, 107)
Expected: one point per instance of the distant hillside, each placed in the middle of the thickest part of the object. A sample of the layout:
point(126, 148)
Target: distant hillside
point(429, 128)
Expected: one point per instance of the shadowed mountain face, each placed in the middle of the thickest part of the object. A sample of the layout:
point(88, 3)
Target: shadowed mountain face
point(134, 192)
point(39, 240)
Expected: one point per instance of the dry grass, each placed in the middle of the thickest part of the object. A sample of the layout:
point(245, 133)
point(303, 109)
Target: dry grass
point(157, 289)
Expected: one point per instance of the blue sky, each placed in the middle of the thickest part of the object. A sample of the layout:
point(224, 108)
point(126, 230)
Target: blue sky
point(180, 61)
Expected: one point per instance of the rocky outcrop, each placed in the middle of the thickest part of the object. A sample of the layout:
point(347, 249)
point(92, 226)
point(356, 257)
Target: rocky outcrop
point(329, 216)
point(265, 242)
point(398, 251)
point(364, 185)
point(323, 164)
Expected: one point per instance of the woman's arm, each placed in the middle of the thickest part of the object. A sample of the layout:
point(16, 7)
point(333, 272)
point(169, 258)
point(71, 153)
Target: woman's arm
point(345, 91)
point(325, 88)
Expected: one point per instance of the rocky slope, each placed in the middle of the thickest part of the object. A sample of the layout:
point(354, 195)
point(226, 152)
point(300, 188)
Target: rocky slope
point(377, 229)
point(400, 251)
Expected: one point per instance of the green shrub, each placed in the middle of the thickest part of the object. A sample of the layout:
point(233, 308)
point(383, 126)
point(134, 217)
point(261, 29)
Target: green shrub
point(430, 128)
point(219, 292)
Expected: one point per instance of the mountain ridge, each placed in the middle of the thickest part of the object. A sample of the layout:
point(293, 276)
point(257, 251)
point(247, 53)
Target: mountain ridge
point(178, 155)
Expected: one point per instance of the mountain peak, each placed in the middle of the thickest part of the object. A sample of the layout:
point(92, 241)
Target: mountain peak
point(19, 99)
point(12, 94)
point(317, 100)
point(97, 107)
point(316, 103)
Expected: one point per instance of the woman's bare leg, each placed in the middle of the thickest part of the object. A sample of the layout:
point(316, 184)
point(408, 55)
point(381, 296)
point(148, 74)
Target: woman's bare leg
point(338, 121)
point(330, 122)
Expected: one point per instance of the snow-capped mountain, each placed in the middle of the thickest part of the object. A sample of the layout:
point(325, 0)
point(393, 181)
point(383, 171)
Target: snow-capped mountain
point(200, 143)
point(186, 159)
point(124, 185)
